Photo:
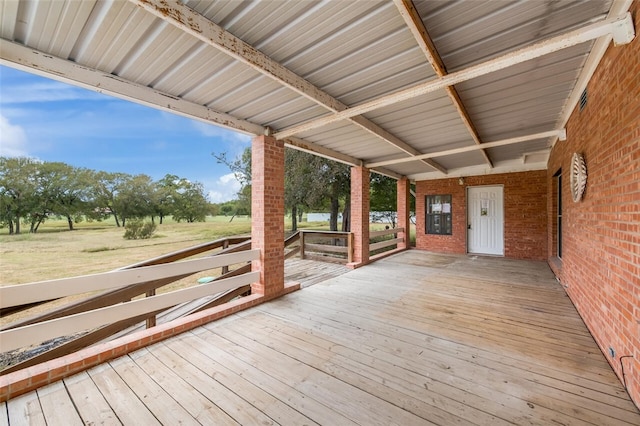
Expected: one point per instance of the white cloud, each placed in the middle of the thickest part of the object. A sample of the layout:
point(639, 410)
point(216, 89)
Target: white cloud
point(47, 91)
point(13, 139)
point(225, 188)
point(220, 132)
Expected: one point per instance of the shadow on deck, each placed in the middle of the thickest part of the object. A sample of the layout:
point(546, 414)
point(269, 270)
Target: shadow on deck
point(415, 338)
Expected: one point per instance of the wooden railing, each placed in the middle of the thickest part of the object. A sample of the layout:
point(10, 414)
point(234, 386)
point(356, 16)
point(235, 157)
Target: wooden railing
point(110, 312)
point(114, 310)
point(327, 246)
point(335, 246)
point(386, 243)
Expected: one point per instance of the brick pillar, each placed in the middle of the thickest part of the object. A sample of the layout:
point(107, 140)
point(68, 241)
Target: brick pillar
point(402, 206)
point(360, 214)
point(267, 213)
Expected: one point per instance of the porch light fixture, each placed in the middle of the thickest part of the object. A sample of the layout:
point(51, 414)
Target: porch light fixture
point(578, 177)
point(461, 181)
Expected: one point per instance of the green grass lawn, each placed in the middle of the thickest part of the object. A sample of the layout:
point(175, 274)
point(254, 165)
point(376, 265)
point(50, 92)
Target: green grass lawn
point(93, 247)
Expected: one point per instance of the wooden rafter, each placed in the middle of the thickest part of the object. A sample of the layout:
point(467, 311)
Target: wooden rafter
point(18, 56)
point(604, 28)
point(305, 146)
point(415, 23)
point(195, 24)
point(550, 134)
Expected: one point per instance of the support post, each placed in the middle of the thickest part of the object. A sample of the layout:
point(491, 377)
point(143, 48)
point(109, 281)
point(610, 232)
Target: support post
point(151, 321)
point(267, 214)
point(403, 206)
point(360, 214)
point(301, 244)
point(225, 245)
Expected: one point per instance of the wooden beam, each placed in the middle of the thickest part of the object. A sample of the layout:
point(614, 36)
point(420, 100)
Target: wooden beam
point(385, 135)
point(320, 151)
point(311, 148)
point(536, 50)
point(414, 21)
point(193, 23)
point(31, 60)
point(619, 8)
point(510, 141)
point(416, 25)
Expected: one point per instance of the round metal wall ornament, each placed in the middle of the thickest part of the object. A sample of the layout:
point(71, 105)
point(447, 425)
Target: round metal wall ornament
point(578, 176)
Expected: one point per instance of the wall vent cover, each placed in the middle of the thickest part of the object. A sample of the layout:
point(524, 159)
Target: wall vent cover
point(583, 99)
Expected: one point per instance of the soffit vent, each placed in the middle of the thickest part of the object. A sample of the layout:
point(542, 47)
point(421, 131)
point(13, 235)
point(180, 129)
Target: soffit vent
point(583, 99)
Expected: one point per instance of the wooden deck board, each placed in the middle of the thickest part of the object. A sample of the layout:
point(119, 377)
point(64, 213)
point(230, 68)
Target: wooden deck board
point(351, 402)
point(4, 416)
point(57, 406)
point(262, 383)
point(241, 397)
point(310, 272)
point(412, 339)
point(92, 407)
point(123, 401)
point(26, 410)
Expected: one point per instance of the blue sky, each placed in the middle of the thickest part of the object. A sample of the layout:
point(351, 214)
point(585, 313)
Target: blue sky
point(54, 121)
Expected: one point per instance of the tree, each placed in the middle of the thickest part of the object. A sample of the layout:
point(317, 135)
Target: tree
point(166, 190)
point(134, 197)
point(74, 199)
point(48, 183)
point(335, 178)
point(310, 182)
point(17, 190)
point(191, 204)
point(241, 168)
point(383, 198)
point(299, 180)
point(105, 191)
point(60, 190)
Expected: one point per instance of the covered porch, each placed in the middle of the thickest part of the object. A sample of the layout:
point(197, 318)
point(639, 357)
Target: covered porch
point(416, 338)
point(447, 95)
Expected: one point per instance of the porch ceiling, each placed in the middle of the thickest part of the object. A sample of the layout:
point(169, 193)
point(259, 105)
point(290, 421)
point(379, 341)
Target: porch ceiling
point(361, 82)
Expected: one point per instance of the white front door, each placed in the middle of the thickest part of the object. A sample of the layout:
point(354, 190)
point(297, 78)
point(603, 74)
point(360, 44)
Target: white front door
point(485, 220)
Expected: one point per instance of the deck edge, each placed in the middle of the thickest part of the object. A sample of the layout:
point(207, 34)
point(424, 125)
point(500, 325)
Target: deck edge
point(31, 378)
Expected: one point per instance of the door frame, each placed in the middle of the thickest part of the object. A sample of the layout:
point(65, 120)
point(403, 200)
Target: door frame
point(468, 219)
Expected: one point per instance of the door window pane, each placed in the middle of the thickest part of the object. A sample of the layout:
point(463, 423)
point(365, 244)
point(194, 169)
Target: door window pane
point(438, 220)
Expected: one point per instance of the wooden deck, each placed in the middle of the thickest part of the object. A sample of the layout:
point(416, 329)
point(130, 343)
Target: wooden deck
point(413, 339)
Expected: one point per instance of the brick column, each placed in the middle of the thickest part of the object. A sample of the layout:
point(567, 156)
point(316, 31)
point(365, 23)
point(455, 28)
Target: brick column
point(267, 213)
point(360, 214)
point(402, 206)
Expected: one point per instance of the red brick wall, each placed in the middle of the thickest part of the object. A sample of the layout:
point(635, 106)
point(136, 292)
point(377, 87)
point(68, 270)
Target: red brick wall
point(600, 265)
point(267, 211)
point(402, 206)
point(525, 218)
point(360, 213)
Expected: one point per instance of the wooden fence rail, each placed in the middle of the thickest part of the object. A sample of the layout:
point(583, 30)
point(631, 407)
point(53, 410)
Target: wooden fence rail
point(113, 310)
point(42, 331)
point(387, 242)
point(331, 252)
point(126, 290)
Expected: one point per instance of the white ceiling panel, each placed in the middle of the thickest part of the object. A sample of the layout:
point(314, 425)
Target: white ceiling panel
point(306, 68)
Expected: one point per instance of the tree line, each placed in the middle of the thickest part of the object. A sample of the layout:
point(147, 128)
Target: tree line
point(315, 183)
point(32, 191)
